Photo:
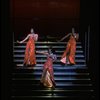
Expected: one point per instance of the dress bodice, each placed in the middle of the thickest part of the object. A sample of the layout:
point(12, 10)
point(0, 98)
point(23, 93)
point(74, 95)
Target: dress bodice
point(52, 56)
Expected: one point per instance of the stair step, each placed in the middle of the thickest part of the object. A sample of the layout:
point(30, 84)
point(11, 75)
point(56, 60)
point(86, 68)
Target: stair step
point(52, 96)
point(37, 87)
point(66, 77)
point(42, 60)
point(63, 84)
point(57, 78)
point(45, 47)
point(58, 90)
point(23, 83)
point(34, 87)
point(59, 69)
point(40, 69)
point(56, 73)
point(44, 56)
point(57, 66)
point(61, 51)
point(47, 42)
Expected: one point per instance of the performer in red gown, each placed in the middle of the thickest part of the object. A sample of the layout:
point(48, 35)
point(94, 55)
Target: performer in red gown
point(69, 53)
point(47, 78)
point(30, 58)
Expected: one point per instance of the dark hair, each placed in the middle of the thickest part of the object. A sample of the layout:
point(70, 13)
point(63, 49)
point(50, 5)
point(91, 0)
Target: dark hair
point(53, 50)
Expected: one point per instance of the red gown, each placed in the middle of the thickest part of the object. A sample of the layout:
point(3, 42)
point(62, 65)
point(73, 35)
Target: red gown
point(69, 53)
point(48, 75)
point(30, 58)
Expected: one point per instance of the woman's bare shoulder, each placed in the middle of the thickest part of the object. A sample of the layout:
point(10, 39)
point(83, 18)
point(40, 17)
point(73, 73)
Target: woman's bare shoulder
point(29, 34)
point(35, 34)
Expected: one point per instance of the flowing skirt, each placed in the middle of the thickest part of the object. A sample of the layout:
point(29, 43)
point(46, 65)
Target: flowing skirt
point(47, 78)
point(69, 53)
point(30, 58)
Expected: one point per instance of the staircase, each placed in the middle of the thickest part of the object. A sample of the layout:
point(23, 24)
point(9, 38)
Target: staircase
point(72, 82)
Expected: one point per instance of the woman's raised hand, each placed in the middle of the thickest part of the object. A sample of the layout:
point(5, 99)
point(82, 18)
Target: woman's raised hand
point(18, 41)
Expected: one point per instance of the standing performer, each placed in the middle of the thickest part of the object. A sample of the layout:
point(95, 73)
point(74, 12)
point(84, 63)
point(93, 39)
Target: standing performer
point(69, 53)
point(47, 78)
point(30, 59)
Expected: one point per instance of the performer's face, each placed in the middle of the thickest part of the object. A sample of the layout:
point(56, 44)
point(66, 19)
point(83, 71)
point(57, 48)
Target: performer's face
point(73, 31)
point(32, 31)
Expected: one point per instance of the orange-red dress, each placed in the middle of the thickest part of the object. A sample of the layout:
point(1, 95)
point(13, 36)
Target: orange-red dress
point(48, 75)
point(69, 53)
point(30, 58)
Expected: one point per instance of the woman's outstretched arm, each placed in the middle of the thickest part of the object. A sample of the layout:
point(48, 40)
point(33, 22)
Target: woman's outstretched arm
point(23, 40)
point(64, 37)
point(45, 53)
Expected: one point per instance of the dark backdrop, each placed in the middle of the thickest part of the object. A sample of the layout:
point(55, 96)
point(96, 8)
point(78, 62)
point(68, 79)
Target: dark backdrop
point(47, 17)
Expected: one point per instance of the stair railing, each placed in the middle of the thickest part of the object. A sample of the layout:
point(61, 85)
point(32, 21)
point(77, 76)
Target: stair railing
point(87, 44)
point(13, 43)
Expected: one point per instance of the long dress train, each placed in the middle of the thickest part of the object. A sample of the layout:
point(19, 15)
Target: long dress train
point(47, 78)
